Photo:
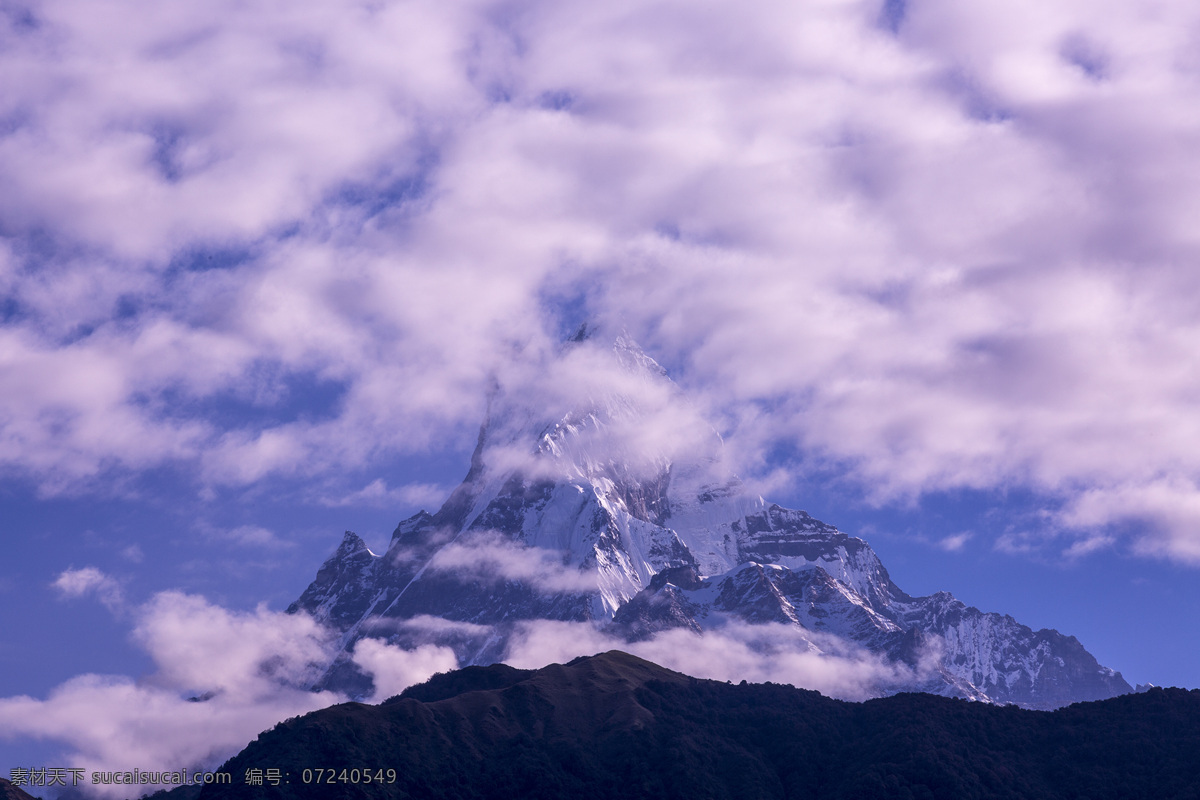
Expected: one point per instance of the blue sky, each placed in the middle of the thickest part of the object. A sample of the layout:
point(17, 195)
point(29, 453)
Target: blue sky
point(929, 268)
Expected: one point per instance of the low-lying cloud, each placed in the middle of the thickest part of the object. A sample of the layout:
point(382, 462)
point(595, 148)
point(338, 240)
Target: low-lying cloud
point(393, 669)
point(735, 652)
point(425, 624)
point(220, 677)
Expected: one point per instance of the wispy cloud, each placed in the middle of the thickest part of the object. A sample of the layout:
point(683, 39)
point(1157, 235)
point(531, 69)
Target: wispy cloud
point(1018, 542)
point(737, 651)
point(1166, 513)
point(247, 536)
point(484, 557)
point(378, 493)
point(426, 624)
point(75, 583)
point(956, 542)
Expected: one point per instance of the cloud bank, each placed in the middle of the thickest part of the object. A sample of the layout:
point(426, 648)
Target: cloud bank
point(736, 652)
point(931, 246)
point(220, 678)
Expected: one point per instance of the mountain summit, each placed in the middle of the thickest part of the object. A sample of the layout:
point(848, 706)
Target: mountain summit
point(610, 504)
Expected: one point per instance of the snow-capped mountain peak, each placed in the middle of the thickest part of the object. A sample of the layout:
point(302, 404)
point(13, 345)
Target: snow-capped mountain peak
point(608, 502)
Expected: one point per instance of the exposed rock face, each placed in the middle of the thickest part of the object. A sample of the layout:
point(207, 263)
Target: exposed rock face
point(571, 519)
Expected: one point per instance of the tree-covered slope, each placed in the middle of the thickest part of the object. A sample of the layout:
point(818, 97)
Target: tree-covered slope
point(614, 725)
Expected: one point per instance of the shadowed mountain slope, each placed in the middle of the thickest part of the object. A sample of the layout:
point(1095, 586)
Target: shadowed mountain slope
point(8, 791)
point(613, 725)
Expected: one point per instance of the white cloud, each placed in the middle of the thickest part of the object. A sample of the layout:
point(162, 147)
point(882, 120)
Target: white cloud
point(956, 256)
point(426, 624)
point(1165, 512)
point(252, 666)
point(1018, 542)
point(485, 557)
point(204, 647)
point(393, 669)
point(956, 542)
point(377, 493)
point(247, 536)
point(73, 583)
point(736, 652)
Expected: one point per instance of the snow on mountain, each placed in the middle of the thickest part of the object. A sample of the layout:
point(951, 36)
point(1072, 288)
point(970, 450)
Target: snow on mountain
point(614, 508)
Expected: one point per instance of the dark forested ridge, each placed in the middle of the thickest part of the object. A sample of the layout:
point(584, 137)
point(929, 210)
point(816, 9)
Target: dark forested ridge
point(615, 726)
point(10, 792)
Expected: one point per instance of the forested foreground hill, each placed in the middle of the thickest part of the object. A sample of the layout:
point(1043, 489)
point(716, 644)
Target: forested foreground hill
point(615, 726)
